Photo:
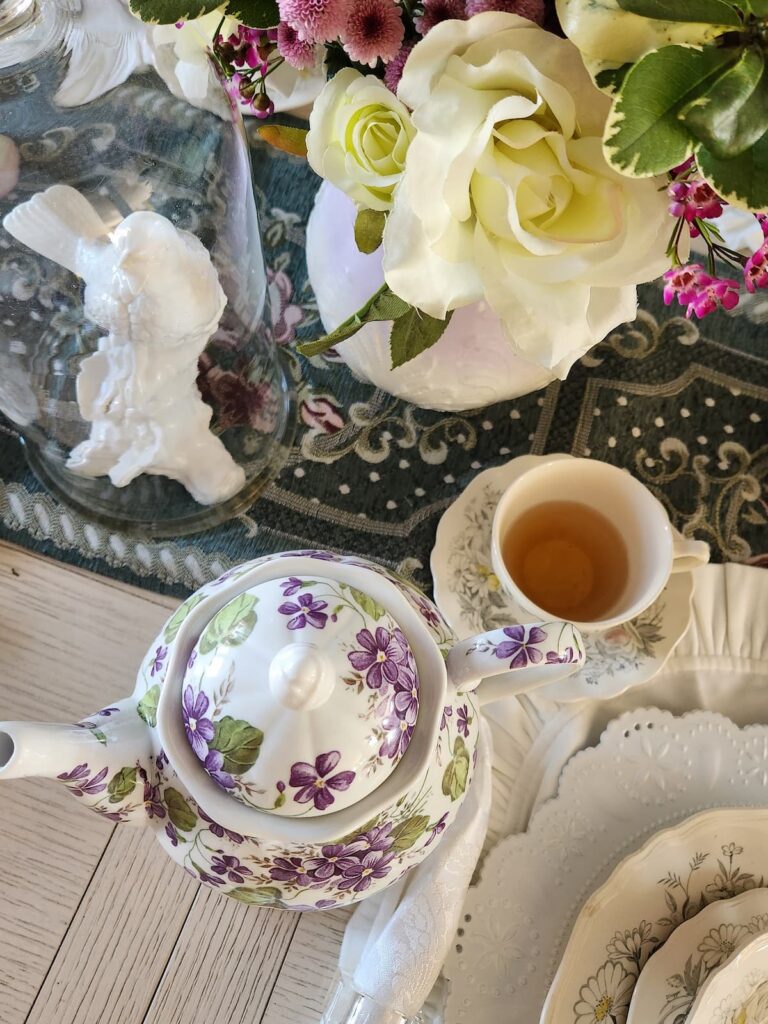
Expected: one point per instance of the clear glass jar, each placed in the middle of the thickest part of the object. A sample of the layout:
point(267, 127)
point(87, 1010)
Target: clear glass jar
point(130, 147)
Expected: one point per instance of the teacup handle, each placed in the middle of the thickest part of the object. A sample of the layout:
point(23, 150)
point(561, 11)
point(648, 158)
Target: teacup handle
point(688, 554)
point(523, 656)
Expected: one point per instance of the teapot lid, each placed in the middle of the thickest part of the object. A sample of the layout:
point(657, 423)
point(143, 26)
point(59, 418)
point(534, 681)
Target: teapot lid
point(300, 696)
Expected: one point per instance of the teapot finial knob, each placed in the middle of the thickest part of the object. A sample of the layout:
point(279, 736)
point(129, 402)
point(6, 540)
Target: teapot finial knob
point(301, 677)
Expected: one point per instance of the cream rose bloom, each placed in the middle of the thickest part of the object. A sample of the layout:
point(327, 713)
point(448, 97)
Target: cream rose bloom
point(359, 133)
point(506, 195)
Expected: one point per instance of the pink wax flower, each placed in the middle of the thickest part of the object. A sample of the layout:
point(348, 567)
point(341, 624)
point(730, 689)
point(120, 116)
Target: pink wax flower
point(374, 30)
point(694, 200)
point(316, 21)
point(698, 291)
point(533, 10)
point(394, 70)
point(678, 171)
point(436, 11)
point(682, 283)
point(762, 219)
point(756, 268)
point(299, 53)
point(713, 293)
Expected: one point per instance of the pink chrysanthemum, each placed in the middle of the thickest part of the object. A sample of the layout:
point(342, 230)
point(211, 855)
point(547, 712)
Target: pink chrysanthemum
point(394, 70)
point(756, 269)
point(531, 9)
point(315, 21)
point(299, 53)
point(436, 11)
point(374, 31)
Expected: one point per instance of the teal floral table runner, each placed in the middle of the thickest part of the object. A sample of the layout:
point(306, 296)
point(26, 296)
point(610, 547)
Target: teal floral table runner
point(682, 405)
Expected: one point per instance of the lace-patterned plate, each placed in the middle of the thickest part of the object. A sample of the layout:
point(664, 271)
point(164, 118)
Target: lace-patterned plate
point(470, 597)
point(650, 770)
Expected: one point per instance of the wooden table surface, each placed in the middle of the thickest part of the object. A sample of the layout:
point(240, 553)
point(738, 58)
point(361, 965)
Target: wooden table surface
point(97, 925)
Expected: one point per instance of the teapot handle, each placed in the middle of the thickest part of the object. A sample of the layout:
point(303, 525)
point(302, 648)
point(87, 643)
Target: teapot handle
point(523, 657)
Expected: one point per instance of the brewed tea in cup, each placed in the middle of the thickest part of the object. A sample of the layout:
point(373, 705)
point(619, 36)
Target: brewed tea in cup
point(583, 541)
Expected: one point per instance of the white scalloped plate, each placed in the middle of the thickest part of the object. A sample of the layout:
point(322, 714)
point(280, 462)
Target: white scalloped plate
point(699, 947)
point(468, 594)
point(650, 770)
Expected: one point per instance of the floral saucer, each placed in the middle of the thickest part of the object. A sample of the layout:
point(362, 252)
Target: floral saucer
point(673, 977)
point(468, 593)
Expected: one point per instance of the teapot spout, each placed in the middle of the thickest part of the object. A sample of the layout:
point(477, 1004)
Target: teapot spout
point(104, 761)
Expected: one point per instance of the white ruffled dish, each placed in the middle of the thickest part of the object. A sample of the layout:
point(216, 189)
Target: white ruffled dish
point(470, 597)
point(675, 974)
point(738, 992)
point(649, 771)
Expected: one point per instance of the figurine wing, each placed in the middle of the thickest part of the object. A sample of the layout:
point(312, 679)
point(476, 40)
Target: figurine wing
point(58, 223)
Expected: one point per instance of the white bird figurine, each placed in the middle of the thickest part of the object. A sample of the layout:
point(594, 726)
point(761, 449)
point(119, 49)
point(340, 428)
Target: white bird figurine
point(154, 289)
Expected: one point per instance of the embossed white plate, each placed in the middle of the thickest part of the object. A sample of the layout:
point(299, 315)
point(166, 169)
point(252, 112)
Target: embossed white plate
point(650, 770)
point(738, 992)
point(468, 594)
point(675, 974)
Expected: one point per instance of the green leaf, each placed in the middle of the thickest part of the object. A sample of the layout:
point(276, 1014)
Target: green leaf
point(612, 79)
point(757, 7)
point(239, 742)
point(231, 625)
point(383, 305)
point(264, 896)
point(733, 115)
point(715, 12)
point(147, 706)
point(255, 13)
point(413, 334)
point(173, 625)
point(167, 12)
point(369, 228)
point(743, 181)
point(285, 138)
point(457, 772)
point(179, 811)
point(370, 607)
point(409, 832)
point(121, 785)
point(644, 134)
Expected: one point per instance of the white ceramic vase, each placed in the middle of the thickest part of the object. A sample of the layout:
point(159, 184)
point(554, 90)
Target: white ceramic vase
point(473, 363)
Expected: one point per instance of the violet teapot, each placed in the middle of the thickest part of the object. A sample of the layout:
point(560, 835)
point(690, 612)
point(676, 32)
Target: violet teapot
point(302, 732)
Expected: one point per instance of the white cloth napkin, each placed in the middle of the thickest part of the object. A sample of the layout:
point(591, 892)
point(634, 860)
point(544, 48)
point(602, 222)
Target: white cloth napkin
point(395, 943)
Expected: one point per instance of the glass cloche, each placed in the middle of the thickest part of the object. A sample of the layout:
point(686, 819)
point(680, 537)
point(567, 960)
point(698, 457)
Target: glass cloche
point(137, 361)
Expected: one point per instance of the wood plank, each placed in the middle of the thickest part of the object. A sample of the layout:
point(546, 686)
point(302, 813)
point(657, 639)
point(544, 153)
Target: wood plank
point(69, 643)
point(121, 938)
point(309, 969)
point(225, 964)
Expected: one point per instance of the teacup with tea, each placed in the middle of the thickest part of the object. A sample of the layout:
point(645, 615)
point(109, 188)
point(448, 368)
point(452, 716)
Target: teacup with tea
point(584, 541)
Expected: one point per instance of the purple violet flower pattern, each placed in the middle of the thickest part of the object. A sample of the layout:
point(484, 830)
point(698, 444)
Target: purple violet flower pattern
point(289, 869)
point(224, 864)
point(447, 713)
point(360, 873)
point(333, 859)
point(407, 697)
point(397, 736)
point(219, 831)
point(313, 781)
point(462, 721)
point(153, 802)
point(291, 586)
point(199, 729)
point(306, 611)
point(566, 658)
point(172, 834)
point(214, 764)
point(158, 660)
point(380, 658)
point(436, 829)
point(521, 646)
point(78, 782)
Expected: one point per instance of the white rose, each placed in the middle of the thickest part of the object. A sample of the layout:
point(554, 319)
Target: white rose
point(359, 133)
point(506, 195)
